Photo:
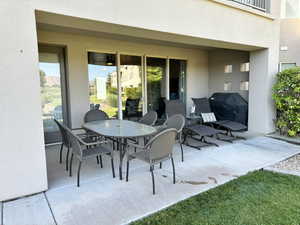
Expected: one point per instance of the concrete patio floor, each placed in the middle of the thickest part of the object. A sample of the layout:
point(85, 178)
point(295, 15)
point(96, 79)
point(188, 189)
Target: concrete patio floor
point(102, 200)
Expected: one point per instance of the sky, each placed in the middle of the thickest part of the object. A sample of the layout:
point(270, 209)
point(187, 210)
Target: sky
point(52, 69)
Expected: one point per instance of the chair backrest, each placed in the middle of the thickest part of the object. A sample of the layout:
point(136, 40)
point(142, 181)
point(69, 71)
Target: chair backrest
point(174, 107)
point(149, 118)
point(176, 121)
point(63, 132)
point(95, 115)
point(74, 142)
point(132, 106)
point(202, 105)
point(161, 145)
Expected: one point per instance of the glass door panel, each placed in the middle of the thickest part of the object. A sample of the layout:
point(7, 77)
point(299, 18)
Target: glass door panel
point(177, 79)
point(51, 67)
point(156, 84)
point(131, 86)
point(103, 85)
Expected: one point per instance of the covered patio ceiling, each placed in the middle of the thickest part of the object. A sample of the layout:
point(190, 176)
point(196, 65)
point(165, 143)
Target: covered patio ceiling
point(68, 24)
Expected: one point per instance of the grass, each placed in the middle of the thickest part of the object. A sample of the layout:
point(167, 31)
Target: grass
point(259, 198)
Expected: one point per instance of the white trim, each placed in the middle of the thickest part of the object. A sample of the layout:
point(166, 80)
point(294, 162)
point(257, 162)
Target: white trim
point(120, 112)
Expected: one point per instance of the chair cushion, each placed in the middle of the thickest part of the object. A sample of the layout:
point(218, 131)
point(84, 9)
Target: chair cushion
point(231, 125)
point(203, 130)
point(208, 117)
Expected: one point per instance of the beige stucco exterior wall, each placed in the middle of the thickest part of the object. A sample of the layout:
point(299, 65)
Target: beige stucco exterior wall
point(217, 60)
point(290, 38)
point(22, 156)
point(200, 22)
point(79, 45)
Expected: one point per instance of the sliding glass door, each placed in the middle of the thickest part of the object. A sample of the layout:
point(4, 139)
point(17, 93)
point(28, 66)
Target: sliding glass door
point(53, 90)
point(177, 79)
point(103, 82)
point(131, 86)
point(156, 84)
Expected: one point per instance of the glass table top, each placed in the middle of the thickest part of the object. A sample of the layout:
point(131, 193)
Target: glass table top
point(120, 128)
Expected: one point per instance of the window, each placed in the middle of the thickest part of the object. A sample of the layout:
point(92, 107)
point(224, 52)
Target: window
point(284, 66)
point(244, 86)
point(291, 9)
point(245, 67)
point(103, 89)
point(227, 86)
point(228, 69)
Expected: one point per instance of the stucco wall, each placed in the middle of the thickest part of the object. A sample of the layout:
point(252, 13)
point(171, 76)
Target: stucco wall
point(79, 45)
point(290, 37)
point(218, 59)
point(22, 156)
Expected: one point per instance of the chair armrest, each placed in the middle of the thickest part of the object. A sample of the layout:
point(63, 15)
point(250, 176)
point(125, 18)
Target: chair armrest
point(91, 143)
point(136, 145)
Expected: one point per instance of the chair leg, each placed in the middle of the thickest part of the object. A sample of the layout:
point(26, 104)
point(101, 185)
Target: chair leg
point(101, 163)
point(113, 167)
point(97, 157)
point(60, 153)
point(174, 181)
point(127, 170)
point(78, 174)
point(182, 158)
point(71, 163)
point(67, 159)
point(153, 182)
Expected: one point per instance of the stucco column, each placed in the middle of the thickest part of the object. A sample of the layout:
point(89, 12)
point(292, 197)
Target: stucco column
point(263, 68)
point(22, 153)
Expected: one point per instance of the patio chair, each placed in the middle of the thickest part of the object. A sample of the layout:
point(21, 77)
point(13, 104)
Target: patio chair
point(176, 121)
point(66, 142)
point(132, 108)
point(158, 149)
point(149, 118)
point(204, 110)
point(192, 129)
point(90, 150)
point(95, 115)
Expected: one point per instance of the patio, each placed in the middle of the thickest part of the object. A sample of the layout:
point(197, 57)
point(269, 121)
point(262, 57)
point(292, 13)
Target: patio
point(103, 200)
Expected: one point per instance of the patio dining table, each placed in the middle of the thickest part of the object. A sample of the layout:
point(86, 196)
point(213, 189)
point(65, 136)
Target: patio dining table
point(120, 130)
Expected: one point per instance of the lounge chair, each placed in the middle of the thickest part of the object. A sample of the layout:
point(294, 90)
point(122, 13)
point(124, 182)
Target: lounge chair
point(203, 109)
point(192, 129)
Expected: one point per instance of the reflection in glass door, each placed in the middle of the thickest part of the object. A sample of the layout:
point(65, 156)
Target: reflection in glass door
point(103, 82)
point(131, 86)
point(156, 84)
point(177, 77)
point(51, 66)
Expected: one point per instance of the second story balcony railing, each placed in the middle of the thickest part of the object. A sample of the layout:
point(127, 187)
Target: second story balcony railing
point(262, 5)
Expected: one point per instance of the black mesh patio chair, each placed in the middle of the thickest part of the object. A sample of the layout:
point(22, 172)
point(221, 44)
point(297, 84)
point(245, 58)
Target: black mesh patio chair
point(158, 149)
point(192, 129)
point(83, 150)
point(132, 108)
point(203, 109)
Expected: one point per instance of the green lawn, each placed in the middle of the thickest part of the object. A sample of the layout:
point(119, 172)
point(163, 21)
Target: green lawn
point(259, 198)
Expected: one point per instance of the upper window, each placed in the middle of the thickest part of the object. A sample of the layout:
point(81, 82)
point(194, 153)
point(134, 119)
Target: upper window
point(291, 9)
point(245, 67)
point(284, 66)
point(228, 69)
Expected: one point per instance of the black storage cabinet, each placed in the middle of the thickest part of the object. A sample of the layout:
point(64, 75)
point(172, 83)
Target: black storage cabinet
point(229, 106)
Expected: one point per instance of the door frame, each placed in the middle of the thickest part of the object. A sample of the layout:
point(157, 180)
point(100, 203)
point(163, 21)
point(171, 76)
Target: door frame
point(61, 51)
